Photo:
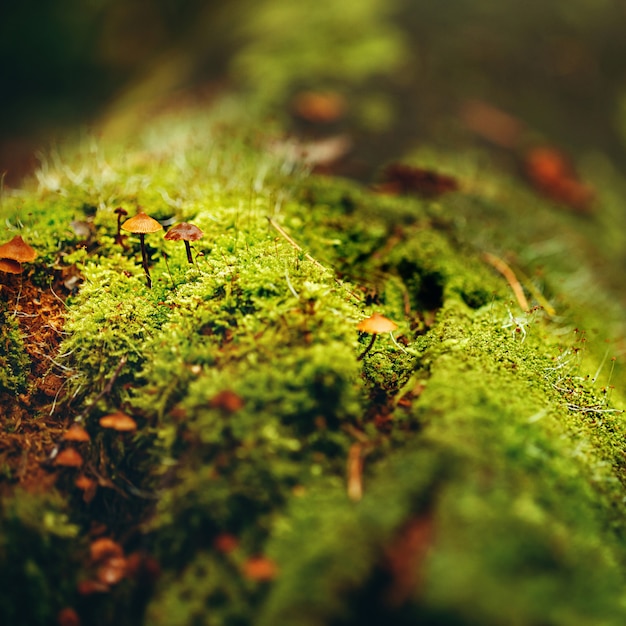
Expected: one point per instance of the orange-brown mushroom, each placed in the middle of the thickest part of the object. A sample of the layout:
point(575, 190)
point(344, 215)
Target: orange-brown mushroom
point(76, 433)
point(111, 571)
point(104, 548)
point(68, 458)
point(141, 224)
point(10, 267)
point(118, 421)
point(375, 325)
point(186, 232)
point(13, 253)
point(17, 250)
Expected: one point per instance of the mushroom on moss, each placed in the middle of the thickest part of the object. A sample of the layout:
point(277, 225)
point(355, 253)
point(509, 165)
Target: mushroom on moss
point(118, 421)
point(68, 458)
point(15, 252)
point(186, 232)
point(76, 433)
point(141, 224)
point(375, 325)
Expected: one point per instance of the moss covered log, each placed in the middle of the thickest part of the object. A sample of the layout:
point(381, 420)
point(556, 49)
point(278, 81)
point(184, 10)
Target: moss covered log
point(470, 469)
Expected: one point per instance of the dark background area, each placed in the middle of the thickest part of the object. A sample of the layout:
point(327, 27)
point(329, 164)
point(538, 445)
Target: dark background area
point(559, 66)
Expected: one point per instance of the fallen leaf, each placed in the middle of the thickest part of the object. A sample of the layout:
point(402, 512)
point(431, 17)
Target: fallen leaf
point(405, 179)
point(260, 568)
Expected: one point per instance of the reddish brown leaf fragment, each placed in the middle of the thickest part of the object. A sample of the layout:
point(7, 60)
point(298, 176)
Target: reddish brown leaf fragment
point(260, 568)
point(405, 179)
point(68, 617)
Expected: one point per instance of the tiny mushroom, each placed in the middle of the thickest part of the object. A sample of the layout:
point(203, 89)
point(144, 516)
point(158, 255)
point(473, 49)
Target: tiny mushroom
point(118, 421)
point(186, 232)
point(119, 238)
point(76, 433)
point(68, 458)
point(15, 252)
point(142, 224)
point(10, 267)
point(375, 324)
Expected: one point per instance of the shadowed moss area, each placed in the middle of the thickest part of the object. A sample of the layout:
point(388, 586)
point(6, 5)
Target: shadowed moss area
point(468, 469)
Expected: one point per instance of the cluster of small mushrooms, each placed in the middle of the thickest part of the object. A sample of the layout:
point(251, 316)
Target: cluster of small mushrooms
point(142, 224)
point(15, 252)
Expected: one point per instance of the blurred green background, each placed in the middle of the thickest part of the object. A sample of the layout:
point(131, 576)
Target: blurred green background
point(406, 69)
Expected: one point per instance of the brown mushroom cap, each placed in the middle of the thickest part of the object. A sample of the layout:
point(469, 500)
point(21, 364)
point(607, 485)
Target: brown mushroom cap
point(10, 267)
point(104, 548)
point(68, 458)
point(76, 433)
point(118, 421)
point(141, 223)
point(377, 323)
point(185, 231)
point(17, 250)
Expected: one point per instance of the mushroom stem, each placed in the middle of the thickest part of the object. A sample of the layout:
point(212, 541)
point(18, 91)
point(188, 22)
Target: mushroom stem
point(188, 249)
point(144, 259)
point(369, 347)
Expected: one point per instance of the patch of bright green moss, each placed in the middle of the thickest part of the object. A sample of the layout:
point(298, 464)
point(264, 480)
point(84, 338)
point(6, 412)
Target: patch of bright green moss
point(14, 360)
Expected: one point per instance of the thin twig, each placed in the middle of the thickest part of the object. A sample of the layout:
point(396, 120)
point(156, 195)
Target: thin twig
point(509, 274)
point(355, 472)
point(281, 231)
point(287, 238)
point(290, 286)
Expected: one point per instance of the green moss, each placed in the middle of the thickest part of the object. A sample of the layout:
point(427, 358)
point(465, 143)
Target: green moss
point(488, 428)
point(208, 591)
point(14, 361)
point(37, 558)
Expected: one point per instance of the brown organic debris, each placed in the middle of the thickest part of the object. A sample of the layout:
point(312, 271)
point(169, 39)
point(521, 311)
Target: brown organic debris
point(511, 278)
point(68, 617)
point(355, 472)
point(491, 123)
point(319, 107)
point(405, 557)
point(553, 175)
point(227, 400)
point(405, 179)
point(260, 568)
point(89, 587)
point(225, 543)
